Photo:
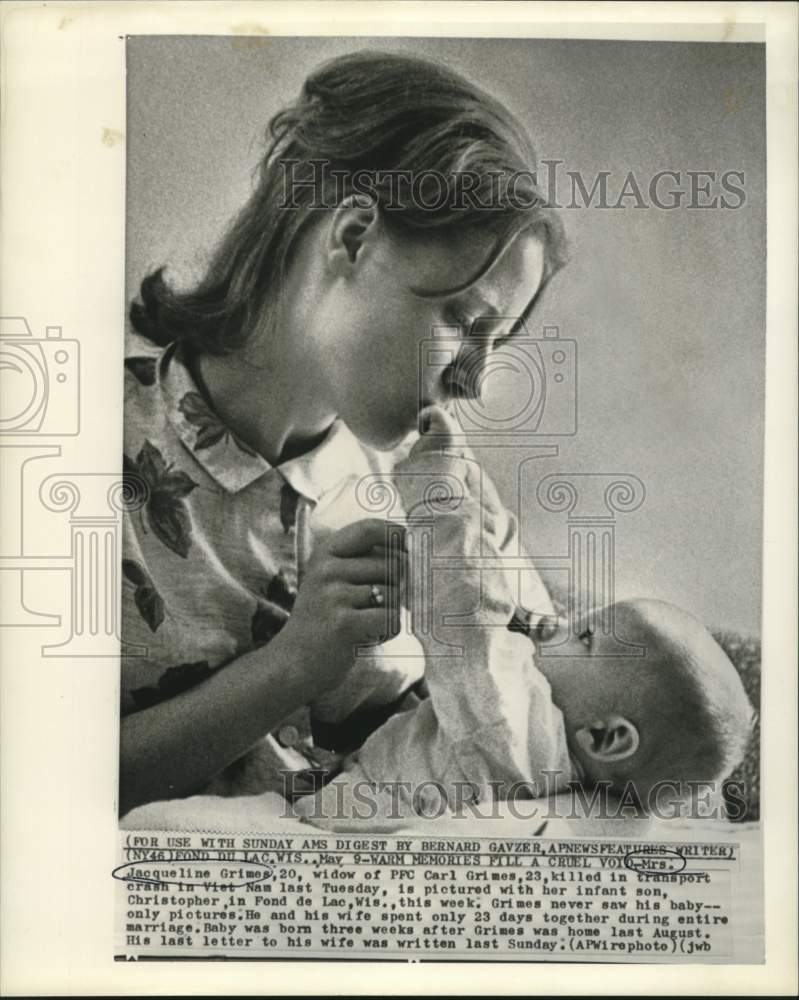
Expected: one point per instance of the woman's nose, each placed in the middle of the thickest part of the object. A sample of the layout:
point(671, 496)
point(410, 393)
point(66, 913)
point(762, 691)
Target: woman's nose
point(463, 379)
point(460, 383)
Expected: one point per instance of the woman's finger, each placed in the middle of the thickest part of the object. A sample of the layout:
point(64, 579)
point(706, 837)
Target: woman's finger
point(361, 537)
point(378, 625)
point(376, 596)
point(381, 567)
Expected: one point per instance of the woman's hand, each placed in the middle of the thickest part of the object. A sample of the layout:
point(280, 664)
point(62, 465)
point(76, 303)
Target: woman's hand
point(176, 747)
point(335, 611)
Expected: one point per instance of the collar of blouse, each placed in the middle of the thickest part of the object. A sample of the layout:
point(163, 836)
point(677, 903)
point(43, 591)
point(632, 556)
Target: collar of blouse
point(232, 463)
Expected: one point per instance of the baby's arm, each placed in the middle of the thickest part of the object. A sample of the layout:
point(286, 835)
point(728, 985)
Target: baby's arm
point(489, 723)
point(435, 459)
point(480, 675)
point(489, 699)
point(488, 730)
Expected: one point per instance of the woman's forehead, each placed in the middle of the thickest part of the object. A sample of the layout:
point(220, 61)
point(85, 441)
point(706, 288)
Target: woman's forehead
point(444, 265)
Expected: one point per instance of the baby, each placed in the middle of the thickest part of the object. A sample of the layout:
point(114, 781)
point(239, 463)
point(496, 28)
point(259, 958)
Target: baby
point(383, 676)
point(508, 716)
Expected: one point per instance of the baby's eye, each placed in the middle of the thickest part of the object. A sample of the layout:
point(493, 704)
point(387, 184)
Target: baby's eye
point(586, 637)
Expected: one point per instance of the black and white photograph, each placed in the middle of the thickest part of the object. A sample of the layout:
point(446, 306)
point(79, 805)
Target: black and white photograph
point(431, 573)
point(446, 447)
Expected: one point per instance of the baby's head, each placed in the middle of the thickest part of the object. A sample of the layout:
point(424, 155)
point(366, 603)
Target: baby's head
point(676, 713)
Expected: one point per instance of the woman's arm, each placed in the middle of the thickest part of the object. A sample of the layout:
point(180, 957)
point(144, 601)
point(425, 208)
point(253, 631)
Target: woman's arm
point(176, 747)
point(489, 726)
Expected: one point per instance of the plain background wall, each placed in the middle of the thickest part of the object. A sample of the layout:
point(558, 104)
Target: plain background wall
point(667, 307)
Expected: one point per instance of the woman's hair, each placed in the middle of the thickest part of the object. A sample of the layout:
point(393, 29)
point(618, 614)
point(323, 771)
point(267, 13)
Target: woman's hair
point(388, 125)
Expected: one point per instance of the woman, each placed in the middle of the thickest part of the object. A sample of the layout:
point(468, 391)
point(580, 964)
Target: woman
point(295, 362)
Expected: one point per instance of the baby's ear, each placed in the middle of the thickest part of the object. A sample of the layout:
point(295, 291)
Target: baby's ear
point(609, 740)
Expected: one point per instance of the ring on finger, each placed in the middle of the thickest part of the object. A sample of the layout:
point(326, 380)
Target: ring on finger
point(376, 596)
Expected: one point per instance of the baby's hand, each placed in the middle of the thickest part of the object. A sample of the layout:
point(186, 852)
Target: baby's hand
point(436, 477)
point(440, 432)
point(437, 457)
point(442, 480)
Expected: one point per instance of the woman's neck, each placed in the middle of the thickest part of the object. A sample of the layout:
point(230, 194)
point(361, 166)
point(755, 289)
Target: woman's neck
point(278, 415)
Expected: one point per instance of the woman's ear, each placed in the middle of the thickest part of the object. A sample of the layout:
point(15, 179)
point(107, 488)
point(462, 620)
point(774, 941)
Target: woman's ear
point(608, 740)
point(352, 232)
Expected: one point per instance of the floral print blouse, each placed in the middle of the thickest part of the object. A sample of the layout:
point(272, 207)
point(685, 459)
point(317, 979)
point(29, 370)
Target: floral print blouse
point(213, 557)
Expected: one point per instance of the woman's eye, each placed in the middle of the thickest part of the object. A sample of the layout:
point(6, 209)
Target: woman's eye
point(517, 328)
point(480, 332)
point(586, 637)
point(454, 318)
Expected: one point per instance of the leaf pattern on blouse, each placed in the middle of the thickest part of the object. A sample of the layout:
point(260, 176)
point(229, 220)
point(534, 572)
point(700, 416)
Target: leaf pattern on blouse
point(147, 598)
point(210, 429)
point(280, 592)
point(166, 512)
point(267, 621)
point(289, 498)
point(173, 681)
point(142, 368)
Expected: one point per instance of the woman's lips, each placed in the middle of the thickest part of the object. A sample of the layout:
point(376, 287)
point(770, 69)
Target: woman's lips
point(446, 404)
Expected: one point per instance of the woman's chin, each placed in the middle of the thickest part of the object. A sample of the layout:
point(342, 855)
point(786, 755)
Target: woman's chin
point(388, 443)
point(383, 438)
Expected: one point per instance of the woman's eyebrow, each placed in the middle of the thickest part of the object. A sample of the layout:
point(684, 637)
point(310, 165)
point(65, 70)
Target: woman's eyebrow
point(485, 308)
point(440, 293)
point(488, 310)
point(477, 304)
point(492, 312)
